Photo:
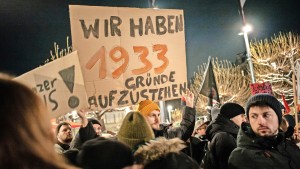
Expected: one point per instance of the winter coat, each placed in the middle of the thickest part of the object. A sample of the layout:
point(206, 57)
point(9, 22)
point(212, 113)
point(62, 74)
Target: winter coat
point(84, 134)
point(184, 131)
point(164, 153)
point(60, 147)
point(198, 148)
point(263, 152)
point(222, 135)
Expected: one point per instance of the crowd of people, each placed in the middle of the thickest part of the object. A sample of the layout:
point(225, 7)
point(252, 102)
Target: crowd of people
point(257, 136)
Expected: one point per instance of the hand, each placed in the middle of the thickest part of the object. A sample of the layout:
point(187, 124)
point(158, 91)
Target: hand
point(189, 98)
point(81, 113)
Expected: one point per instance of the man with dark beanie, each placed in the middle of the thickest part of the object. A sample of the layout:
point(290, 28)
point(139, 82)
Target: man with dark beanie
point(260, 142)
point(90, 129)
point(222, 133)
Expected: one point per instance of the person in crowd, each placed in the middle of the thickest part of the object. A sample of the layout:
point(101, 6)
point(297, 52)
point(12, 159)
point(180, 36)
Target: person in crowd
point(222, 134)
point(69, 147)
point(215, 111)
point(163, 153)
point(291, 132)
point(152, 113)
point(198, 141)
point(200, 129)
point(135, 130)
point(90, 129)
point(290, 120)
point(104, 153)
point(64, 137)
point(284, 125)
point(260, 142)
point(26, 139)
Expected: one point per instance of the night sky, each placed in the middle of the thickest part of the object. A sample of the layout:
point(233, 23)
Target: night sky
point(29, 28)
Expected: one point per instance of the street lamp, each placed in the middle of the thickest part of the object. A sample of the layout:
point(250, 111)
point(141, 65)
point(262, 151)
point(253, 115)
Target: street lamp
point(246, 29)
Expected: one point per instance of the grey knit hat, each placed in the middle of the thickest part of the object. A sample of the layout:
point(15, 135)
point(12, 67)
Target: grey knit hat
point(265, 99)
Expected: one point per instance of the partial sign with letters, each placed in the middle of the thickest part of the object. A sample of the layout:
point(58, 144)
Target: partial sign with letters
point(59, 83)
point(264, 87)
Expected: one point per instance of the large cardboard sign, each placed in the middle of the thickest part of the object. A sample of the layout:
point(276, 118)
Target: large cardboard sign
point(129, 54)
point(59, 83)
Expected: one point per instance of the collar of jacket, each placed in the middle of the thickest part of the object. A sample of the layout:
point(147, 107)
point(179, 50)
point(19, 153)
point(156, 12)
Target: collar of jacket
point(64, 146)
point(264, 142)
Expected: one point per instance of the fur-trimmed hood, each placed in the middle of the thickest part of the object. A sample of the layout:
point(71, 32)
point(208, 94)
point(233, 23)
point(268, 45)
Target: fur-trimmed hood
point(158, 148)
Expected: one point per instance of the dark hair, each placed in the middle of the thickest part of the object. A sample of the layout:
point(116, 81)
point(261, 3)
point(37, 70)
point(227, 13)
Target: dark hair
point(61, 124)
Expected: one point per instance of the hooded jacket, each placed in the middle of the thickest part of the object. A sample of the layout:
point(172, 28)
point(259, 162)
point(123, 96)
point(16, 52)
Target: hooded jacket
point(263, 152)
point(222, 135)
point(164, 153)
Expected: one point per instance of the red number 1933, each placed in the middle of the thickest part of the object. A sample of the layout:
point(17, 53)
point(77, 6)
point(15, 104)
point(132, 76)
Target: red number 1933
point(142, 52)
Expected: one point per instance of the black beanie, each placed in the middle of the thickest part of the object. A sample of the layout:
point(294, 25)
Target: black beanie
point(231, 110)
point(267, 99)
point(104, 153)
point(94, 121)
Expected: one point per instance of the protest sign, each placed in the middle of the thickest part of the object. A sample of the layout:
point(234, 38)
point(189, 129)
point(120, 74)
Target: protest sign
point(59, 83)
point(129, 54)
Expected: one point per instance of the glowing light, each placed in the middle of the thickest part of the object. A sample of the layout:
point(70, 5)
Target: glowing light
point(74, 114)
point(170, 107)
point(247, 28)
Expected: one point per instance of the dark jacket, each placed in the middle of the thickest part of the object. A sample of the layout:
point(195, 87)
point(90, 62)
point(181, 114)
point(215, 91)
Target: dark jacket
point(164, 154)
point(184, 131)
point(198, 147)
point(84, 134)
point(222, 135)
point(263, 152)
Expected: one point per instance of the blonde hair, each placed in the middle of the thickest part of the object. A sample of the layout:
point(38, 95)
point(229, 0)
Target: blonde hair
point(26, 138)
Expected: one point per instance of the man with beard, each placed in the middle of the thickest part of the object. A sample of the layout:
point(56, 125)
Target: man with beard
point(151, 112)
point(90, 129)
point(260, 142)
point(64, 137)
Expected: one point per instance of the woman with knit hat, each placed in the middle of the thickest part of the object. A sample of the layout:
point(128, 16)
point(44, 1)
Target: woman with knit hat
point(151, 112)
